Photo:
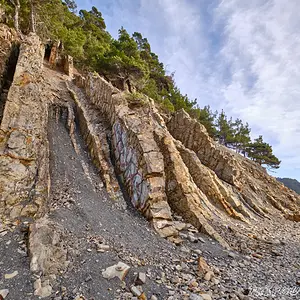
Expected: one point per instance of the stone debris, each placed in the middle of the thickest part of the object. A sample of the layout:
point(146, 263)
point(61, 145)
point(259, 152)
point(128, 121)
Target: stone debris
point(136, 291)
point(42, 289)
point(79, 297)
point(183, 182)
point(209, 276)
point(203, 267)
point(3, 233)
point(103, 248)
point(119, 270)
point(11, 275)
point(47, 247)
point(4, 293)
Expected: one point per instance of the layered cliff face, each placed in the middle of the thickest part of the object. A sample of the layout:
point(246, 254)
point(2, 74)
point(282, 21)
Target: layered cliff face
point(176, 167)
point(164, 169)
point(257, 190)
point(169, 170)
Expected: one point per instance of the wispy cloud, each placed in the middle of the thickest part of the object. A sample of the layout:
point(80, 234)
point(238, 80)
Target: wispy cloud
point(242, 56)
point(261, 46)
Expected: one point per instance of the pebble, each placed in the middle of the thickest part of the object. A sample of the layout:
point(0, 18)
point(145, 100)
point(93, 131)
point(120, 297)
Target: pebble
point(135, 291)
point(206, 297)
point(195, 297)
point(141, 279)
point(209, 275)
point(4, 293)
point(12, 275)
point(119, 270)
point(198, 251)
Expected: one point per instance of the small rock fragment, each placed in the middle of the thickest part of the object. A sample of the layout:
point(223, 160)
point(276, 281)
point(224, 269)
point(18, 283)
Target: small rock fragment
point(195, 297)
point(119, 270)
point(12, 275)
point(203, 267)
point(141, 279)
point(231, 254)
point(209, 275)
point(257, 255)
point(198, 251)
point(4, 293)
point(206, 296)
point(79, 297)
point(103, 248)
point(135, 291)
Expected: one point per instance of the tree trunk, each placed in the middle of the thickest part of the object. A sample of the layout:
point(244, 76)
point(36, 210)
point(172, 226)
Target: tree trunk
point(16, 4)
point(32, 16)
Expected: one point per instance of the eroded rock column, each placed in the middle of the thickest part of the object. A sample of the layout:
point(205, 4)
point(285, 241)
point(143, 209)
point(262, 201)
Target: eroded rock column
point(23, 142)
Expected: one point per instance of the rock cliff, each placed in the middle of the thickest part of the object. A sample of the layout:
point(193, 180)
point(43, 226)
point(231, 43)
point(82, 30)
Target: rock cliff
point(163, 167)
point(167, 169)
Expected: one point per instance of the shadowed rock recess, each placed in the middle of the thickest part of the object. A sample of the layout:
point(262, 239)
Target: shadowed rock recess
point(162, 168)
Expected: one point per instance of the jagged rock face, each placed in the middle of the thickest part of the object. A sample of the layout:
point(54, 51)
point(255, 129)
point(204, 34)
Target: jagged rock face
point(136, 153)
point(179, 168)
point(23, 143)
point(249, 181)
point(7, 38)
point(164, 168)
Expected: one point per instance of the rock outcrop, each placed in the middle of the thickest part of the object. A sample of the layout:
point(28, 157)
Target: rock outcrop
point(178, 167)
point(164, 168)
point(23, 140)
point(250, 182)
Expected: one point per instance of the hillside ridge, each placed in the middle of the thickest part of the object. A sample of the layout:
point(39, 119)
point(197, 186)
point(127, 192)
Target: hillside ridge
point(76, 152)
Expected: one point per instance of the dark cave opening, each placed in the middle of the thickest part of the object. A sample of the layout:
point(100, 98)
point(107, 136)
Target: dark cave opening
point(47, 52)
point(8, 76)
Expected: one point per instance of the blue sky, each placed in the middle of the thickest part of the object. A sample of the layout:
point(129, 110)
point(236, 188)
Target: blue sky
point(242, 56)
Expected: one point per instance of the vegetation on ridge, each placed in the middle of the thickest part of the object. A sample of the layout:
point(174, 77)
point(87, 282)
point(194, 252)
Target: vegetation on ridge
point(129, 63)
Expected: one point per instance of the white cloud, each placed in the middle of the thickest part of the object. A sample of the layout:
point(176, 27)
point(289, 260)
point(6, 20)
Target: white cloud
point(242, 56)
point(262, 47)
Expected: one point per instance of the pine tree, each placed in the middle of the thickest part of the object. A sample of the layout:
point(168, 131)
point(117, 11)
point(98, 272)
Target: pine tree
point(241, 136)
point(262, 153)
point(207, 118)
point(225, 130)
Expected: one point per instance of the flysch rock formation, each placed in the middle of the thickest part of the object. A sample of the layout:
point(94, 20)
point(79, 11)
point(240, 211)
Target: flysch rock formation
point(258, 193)
point(23, 142)
point(165, 168)
point(179, 168)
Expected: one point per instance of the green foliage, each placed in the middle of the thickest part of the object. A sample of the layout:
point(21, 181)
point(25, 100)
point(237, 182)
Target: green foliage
point(262, 153)
point(167, 105)
point(207, 118)
point(225, 130)
point(129, 60)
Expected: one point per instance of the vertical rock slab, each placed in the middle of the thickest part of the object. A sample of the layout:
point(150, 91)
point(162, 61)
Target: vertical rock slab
point(137, 156)
point(23, 140)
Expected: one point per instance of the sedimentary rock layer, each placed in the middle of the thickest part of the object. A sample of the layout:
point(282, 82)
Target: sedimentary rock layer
point(198, 179)
point(137, 156)
point(23, 142)
point(164, 168)
point(251, 183)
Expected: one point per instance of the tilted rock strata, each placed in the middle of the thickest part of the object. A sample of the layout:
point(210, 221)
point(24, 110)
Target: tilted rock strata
point(95, 136)
point(260, 192)
point(154, 174)
point(176, 167)
point(137, 156)
point(23, 142)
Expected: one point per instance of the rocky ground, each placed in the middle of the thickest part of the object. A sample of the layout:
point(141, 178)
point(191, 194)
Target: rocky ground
point(98, 233)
